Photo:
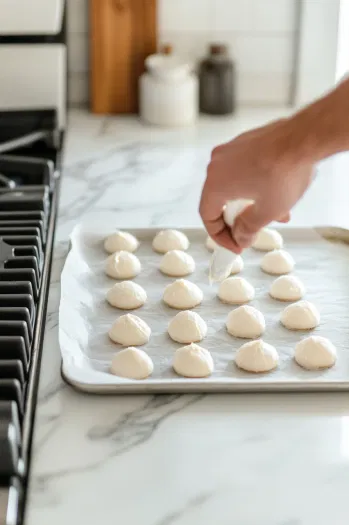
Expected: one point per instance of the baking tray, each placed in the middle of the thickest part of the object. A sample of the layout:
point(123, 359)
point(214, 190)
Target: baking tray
point(322, 262)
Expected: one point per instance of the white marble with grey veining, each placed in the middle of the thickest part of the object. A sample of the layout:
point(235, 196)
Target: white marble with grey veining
point(179, 460)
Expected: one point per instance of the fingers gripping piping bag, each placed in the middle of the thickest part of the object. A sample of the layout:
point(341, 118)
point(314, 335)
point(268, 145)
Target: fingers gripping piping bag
point(222, 259)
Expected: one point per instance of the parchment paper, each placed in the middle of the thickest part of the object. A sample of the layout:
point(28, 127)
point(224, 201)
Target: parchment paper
point(85, 317)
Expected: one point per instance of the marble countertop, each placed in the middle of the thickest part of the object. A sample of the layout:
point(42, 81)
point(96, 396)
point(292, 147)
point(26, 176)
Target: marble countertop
point(179, 460)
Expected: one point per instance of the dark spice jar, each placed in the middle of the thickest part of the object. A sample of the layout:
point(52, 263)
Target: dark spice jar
point(217, 82)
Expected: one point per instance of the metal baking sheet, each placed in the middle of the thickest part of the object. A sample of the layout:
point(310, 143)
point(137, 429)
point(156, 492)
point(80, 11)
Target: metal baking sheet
point(322, 262)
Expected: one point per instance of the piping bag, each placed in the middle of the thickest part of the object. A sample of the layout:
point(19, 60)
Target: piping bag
point(223, 259)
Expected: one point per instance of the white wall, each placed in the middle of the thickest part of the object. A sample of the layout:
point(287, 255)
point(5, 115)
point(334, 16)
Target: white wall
point(260, 34)
point(78, 51)
point(318, 48)
point(342, 65)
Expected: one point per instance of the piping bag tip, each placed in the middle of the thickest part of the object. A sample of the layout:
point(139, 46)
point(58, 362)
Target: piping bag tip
point(223, 259)
point(221, 264)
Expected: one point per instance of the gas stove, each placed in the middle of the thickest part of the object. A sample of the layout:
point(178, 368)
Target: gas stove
point(30, 167)
point(32, 122)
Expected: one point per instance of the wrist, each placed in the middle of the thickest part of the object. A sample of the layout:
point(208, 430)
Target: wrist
point(308, 142)
point(322, 129)
point(291, 143)
point(310, 135)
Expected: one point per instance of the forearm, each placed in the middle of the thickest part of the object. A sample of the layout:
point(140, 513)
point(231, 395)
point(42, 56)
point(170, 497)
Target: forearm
point(322, 128)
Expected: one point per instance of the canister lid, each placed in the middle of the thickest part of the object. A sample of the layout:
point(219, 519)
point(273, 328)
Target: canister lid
point(218, 49)
point(166, 49)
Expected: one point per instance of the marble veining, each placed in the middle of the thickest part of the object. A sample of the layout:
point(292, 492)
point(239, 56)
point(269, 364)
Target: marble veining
point(178, 460)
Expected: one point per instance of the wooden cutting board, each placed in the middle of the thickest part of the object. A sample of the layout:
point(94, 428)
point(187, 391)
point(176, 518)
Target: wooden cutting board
point(123, 34)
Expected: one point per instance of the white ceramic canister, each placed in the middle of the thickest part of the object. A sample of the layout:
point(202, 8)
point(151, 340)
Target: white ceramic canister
point(168, 91)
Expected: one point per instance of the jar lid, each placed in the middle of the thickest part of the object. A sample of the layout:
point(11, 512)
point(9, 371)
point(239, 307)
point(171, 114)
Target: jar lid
point(218, 49)
point(169, 67)
point(166, 49)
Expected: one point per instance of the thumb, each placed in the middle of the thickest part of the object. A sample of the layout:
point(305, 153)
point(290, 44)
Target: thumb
point(248, 224)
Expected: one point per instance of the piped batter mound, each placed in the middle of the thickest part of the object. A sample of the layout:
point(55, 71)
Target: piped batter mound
point(187, 327)
point(257, 357)
point(277, 262)
point(121, 241)
point(210, 244)
point(315, 353)
point(287, 288)
point(246, 322)
point(182, 295)
point(267, 240)
point(126, 295)
point(167, 240)
point(235, 290)
point(300, 316)
point(177, 263)
point(122, 265)
point(130, 330)
point(132, 363)
point(237, 266)
point(193, 361)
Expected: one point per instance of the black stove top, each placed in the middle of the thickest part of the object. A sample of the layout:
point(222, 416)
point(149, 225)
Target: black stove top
point(30, 163)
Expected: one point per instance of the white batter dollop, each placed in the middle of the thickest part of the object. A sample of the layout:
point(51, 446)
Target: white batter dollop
point(177, 263)
point(126, 295)
point(182, 294)
point(193, 361)
point(122, 265)
point(287, 288)
point(235, 290)
point(315, 353)
point(277, 262)
point(257, 357)
point(121, 241)
point(130, 330)
point(210, 244)
point(300, 316)
point(167, 240)
point(132, 363)
point(246, 322)
point(237, 266)
point(187, 327)
point(267, 240)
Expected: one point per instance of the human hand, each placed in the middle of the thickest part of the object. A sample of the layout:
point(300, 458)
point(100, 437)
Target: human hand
point(264, 165)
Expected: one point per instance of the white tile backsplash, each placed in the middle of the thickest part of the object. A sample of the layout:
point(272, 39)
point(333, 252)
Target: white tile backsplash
point(185, 45)
point(78, 52)
point(255, 16)
point(272, 54)
point(78, 89)
point(185, 15)
point(256, 54)
point(77, 16)
point(258, 89)
point(260, 35)
point(231, 15)
point(273, 16)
